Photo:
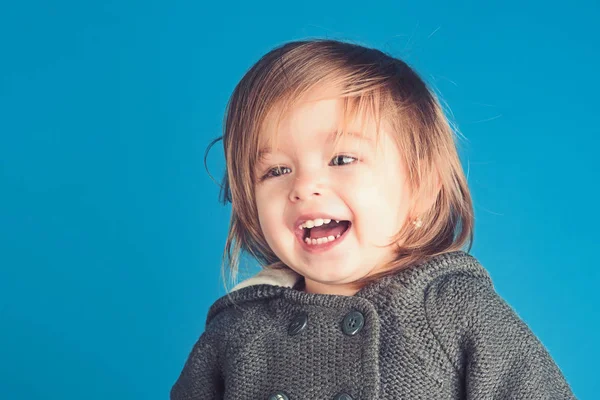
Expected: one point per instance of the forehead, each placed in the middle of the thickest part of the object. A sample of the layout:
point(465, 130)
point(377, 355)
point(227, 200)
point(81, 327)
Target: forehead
point(324, 121)
point(330, 138)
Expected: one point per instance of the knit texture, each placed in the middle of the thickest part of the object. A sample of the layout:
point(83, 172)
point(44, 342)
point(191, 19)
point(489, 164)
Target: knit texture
point(437, 330)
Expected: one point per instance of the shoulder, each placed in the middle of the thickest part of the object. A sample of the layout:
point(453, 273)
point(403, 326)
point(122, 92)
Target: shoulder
point(459, 290)
point(236, 314)
point(459, 303)
point(462, 285)
point(437, 269)
point(491, 348)
point(468, 316)
point(226, 322)
point(223, 321)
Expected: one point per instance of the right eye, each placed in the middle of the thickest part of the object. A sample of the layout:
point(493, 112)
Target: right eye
point(274, 172)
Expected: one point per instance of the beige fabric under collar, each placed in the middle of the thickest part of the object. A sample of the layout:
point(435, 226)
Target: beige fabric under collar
point(267, 276)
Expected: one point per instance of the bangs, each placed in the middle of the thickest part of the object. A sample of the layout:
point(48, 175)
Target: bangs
point(362, 115)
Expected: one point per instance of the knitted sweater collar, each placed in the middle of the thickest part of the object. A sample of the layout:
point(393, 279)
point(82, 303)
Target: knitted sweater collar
point(271, 283)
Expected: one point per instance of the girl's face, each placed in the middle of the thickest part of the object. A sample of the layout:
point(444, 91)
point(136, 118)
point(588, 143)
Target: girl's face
point(360, 183)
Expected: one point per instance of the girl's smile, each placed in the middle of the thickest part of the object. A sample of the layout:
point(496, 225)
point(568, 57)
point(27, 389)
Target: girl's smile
point(322, 234)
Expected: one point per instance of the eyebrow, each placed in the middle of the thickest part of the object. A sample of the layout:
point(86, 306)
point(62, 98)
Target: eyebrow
point(330, 137)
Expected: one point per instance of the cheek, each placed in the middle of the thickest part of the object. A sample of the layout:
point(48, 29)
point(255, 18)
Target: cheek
point(263, 212)
point(268, 229)
point(379, 197)
point(373, 188)
point(269, 215)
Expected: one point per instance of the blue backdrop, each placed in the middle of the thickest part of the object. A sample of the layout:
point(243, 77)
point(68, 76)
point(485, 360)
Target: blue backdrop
point(110, 229)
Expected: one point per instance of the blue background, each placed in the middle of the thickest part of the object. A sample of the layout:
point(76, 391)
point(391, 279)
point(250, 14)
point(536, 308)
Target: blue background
point(110, 229)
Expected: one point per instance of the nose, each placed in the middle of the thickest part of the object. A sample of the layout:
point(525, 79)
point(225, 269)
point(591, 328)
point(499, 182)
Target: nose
point(305, 186)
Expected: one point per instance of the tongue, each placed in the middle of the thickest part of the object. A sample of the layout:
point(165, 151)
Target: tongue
point(331, 229)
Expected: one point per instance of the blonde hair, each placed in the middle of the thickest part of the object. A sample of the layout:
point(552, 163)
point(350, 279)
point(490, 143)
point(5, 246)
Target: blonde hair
point(369, 82)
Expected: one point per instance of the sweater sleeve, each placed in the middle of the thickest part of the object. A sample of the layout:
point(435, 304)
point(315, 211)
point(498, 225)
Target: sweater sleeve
point(494, 352)
point(201, 377)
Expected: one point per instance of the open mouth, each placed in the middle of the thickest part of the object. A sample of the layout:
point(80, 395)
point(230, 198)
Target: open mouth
point(326, 231)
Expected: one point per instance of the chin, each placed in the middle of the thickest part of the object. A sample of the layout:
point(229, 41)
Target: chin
point(330, 274)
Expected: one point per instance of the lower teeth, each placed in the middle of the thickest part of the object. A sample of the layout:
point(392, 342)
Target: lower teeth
point(322, 240)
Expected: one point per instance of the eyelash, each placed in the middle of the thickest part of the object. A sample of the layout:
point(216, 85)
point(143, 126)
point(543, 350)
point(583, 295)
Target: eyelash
point(267, 176)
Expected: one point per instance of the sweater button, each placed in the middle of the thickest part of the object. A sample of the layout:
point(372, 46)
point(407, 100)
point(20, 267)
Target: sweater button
point(298, 324)
point(342, 396)
point(353, 322)
point(278, 396)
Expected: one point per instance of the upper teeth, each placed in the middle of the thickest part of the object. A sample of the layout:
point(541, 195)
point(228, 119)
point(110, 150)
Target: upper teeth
point(315, 222)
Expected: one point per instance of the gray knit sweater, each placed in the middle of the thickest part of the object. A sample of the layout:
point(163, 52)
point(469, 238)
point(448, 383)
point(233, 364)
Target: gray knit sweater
point(437, 330)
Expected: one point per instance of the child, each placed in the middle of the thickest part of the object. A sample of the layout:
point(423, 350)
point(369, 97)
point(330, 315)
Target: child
point(346, 186)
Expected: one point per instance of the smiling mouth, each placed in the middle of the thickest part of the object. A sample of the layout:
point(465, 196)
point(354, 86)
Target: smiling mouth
point(334, 229)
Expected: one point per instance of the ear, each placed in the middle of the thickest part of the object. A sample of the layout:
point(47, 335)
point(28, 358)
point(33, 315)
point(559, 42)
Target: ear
point(429, 194)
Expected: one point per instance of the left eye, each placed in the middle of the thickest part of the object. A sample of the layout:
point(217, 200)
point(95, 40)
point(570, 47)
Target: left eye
point(339, 160)
point(343, 157)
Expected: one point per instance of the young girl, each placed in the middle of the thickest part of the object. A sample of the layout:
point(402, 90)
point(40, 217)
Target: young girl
point(346, 186)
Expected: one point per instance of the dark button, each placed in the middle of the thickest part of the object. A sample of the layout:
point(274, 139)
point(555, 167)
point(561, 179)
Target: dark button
point(298, 324)
point(342, 396)
point(353, 322)
point(278, 396)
